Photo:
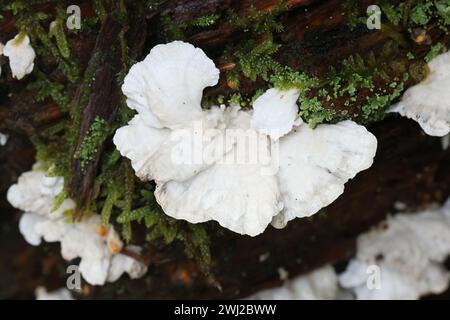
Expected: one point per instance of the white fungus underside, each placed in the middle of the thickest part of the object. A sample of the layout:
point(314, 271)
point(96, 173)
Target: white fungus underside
point(242, 197)
point(428, 102)
point(315, 165)
point(159, 154)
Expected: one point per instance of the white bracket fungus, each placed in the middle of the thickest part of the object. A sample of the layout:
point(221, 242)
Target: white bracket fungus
point(41, 293)
point(166, 88)
point(428, 102)
point(320, 284)
point(21, 55)
point(316, 163)
point(98, 246)
point(409, 250)
point(241, 169)
point(3, 139)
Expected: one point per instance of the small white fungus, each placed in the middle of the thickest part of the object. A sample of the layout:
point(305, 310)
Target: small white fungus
point(428, 102)
point(41, 293)
point(21, 55)
point(98, 246)
point(320, 284)
point(3, 139)
point(275, 112)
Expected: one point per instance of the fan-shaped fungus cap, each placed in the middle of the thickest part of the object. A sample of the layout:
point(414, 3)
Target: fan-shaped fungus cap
point(167, 87)
point(316, 163)
point(428, 102)
point(238, 195)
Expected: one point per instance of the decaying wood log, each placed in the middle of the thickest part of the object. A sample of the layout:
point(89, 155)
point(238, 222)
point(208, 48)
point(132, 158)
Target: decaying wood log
point(409, 167)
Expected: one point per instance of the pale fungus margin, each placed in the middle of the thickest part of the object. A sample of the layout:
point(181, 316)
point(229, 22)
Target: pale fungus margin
point(428, 102)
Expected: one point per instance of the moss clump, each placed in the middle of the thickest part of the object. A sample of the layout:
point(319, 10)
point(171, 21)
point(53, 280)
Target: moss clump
point(435, 51)
point(205, 21)
point(256, 60)
point(96, 135)
point(57, 32)
point(46, 89)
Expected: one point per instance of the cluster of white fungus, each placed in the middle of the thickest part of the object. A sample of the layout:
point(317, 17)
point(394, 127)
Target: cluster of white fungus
point(410, 251)
point(428, 102)
point(203, 161)
point(41, 293)
point(402, 259)
point(320, 284)
point(97, 245)
point(21, 55)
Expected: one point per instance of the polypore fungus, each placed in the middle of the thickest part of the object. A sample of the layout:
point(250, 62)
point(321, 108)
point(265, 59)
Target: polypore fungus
point(225, 164)
point(275, 112)
point(21, 55)
point(41, 293)
point(316, 163)
point(95, 244)
point(166, 88)
point(428, 102)
point(408, 251)
point(320, 284)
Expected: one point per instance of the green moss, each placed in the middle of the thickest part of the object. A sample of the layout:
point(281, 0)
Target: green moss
point(421, 13)
point(286, 78)
point(97, 133)
point(45, 89)
point(443, 9)
point(256, 60)
point(394, 14)
point(435, 51)
point(57, 32)
point(259, 22)
point(204, 22)
point(352, 14)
